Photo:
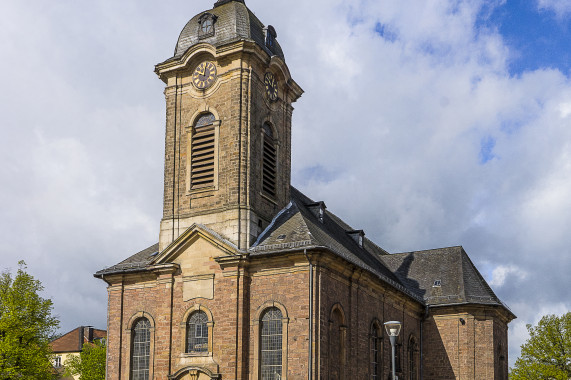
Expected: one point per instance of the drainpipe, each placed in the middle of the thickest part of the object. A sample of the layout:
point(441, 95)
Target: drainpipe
point(424, 317)
point(310, 353)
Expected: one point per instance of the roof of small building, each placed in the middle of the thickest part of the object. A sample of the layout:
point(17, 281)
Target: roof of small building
point(442, 276)
point(234, 22)
point(300, 225)
point(73, 341)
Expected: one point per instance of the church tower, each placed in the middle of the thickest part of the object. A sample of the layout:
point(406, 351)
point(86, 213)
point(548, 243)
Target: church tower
point(229, 98)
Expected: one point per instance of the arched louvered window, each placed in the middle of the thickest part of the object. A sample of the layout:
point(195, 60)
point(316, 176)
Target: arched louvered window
point(197, 332)
point(376, 350)
point(269, 162)
point(271, 344)
point(141, 349)
point(203, 147)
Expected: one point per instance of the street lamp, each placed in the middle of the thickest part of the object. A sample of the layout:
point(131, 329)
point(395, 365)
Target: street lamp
point(393, 329)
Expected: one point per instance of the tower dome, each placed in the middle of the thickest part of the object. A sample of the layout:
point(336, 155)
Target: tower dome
point(228, 21)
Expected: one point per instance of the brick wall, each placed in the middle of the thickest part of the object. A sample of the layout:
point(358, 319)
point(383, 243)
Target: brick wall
point(462, 343)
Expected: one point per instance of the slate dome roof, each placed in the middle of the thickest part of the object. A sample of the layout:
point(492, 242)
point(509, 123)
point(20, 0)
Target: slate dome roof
point(234, 22)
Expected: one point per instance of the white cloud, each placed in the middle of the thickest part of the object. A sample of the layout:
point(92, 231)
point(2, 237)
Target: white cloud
point(562, 8)
point(501, 273)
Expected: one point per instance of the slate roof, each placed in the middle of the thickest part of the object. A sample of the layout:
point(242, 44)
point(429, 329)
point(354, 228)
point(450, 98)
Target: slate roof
point(234, 22)
point(459, 280)
point(73, 341)
point(299, 226)
point(133, 263)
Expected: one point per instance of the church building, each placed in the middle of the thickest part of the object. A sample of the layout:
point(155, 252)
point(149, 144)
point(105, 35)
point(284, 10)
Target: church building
point(252, 279)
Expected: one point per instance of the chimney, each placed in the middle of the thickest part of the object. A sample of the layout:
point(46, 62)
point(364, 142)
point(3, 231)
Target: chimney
point(80, 336)
point(90, 334)
point(317, 209)
point(358, 236)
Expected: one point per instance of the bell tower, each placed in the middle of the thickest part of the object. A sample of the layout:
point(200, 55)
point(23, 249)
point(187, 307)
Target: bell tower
point(229, 98)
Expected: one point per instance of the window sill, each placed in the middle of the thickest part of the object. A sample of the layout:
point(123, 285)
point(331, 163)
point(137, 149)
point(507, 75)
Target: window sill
point(196, 354)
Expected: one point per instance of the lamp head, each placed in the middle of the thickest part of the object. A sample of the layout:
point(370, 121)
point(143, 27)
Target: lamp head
point(393, 328)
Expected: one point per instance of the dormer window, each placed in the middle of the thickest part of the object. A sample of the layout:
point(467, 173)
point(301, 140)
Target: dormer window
point(206, 25)
point(358, 236)
point(271, 37)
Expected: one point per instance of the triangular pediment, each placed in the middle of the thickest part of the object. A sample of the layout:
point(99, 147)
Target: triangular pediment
point(196, 243)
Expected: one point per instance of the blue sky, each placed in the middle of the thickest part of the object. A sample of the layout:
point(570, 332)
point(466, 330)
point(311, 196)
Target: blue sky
point(538, 38)
point(427, 123)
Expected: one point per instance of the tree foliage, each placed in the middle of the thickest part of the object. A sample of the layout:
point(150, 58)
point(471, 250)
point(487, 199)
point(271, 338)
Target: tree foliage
point(90, 364)
point(547, 352)
point(26, 326)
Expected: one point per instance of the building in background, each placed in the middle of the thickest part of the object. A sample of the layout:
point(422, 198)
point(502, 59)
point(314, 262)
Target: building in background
point(250, 278)
point(72, 343)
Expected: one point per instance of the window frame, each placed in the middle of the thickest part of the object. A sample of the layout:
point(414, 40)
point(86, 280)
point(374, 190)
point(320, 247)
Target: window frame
point(376, 327)
point(129, 335)
point(183, 330)
point(273, 140)
point(338, 308)
point(191, 131)
point(206, 17)
point(412, 359)
point(256, 326)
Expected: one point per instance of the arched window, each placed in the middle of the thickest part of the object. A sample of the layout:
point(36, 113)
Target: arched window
point(268, 161)
point(337, 336)
point(141, 349)
point(203, 157)
point(412, 354)
point(376, 349)
point(197, 332)
point(271, 344)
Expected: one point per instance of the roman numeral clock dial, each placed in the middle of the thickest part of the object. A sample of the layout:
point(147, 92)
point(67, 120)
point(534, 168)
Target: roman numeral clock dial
point(204, 75)
point(271, 84)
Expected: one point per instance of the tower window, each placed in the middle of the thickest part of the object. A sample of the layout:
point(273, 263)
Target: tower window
point(206, 25)
point(203, 152)
point(268, 161)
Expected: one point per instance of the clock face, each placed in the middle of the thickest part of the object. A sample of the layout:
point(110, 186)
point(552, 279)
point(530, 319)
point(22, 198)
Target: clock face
point(271, 86)
point(204, 75)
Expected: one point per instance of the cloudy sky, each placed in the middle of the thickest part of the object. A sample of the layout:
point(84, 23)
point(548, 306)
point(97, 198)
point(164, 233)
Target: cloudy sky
point(428, 123)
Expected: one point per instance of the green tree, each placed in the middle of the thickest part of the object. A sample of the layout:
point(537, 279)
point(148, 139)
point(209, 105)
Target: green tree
point(90, 364)
point(547, 352)
point(26, 326)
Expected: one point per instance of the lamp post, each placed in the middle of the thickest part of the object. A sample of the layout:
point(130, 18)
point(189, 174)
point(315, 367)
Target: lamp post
point(393, 329)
